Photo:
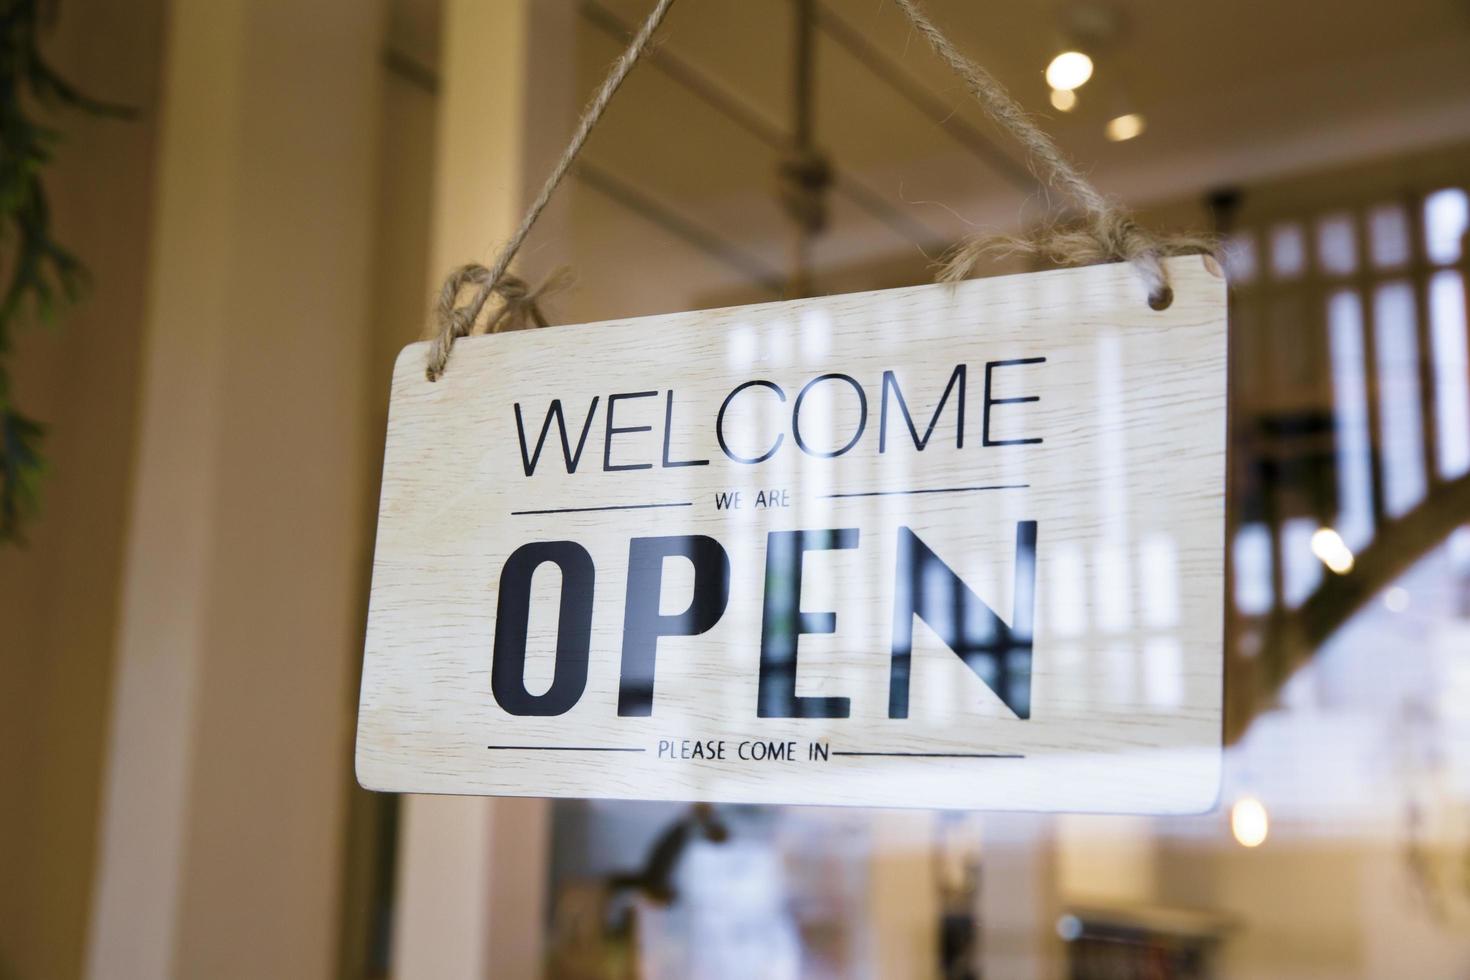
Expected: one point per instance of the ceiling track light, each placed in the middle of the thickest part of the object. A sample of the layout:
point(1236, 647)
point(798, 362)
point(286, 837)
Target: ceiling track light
point(1069, 71)
point(1249, 822)
point(1122, 128)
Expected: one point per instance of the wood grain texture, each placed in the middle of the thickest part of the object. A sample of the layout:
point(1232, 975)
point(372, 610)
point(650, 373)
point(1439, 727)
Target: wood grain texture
point(1126, 490)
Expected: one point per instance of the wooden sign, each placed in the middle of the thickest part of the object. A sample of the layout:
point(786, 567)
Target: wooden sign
point(939, 547)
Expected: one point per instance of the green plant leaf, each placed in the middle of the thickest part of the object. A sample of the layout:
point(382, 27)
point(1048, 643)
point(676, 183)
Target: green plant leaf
point(21, 470)
point(39, 278)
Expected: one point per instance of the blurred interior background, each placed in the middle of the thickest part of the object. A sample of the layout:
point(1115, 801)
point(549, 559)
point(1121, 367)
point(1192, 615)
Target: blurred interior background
point(180, 637)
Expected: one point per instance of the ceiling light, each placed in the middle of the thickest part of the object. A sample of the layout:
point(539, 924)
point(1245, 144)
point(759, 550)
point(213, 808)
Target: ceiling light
point(1332, 551)
point(1069, 70)
point(1248, 822)
point(1125, 127)
point(1063, 99)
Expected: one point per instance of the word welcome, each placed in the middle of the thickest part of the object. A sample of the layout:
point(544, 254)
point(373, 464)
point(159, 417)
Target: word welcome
point(750, 449)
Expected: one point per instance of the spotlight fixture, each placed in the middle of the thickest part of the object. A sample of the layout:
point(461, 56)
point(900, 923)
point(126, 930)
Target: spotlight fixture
point(1332, 551)
point(1063, 99)
point(1248, 822)
point(1125, 128)
point(1069, 70)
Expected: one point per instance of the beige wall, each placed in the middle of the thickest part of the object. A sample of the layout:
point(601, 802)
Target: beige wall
point(59, 595)
point(400, 304)
point(471, 871)
point(221, 824)
point(198, 826)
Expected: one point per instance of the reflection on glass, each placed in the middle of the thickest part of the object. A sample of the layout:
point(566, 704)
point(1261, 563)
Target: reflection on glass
point(1396, 599)
point(1163, 672)
point(1388, 235)
point(1288, 251)
point(1159, 563)
point(1398, 386)
point(1067, 595)
point(1350, 401)
point(1240, 258)
point(1337, 246)
point(1451, 372)
point(1302, 572)
point(1253, 561)
point(1446, 217)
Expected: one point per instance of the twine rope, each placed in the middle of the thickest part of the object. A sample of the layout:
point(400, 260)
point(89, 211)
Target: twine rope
point(457, 321)
point(1108, 233)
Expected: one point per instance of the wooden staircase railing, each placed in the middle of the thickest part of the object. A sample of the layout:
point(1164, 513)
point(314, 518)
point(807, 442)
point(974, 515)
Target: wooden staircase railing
point(1292, 408)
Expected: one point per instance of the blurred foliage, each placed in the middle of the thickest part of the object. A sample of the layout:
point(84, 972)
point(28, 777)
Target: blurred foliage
point(38, 277)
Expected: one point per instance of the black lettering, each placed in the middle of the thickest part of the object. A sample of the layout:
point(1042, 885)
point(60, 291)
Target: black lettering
point(643, 624)
point(720, 423)
point(612, 430)
point(990, 366)
point(999, 654)
point(668, 430)
point(573, 632)
point(783, 622)
point(862, 415)
point(890, 381)
point(528, 462)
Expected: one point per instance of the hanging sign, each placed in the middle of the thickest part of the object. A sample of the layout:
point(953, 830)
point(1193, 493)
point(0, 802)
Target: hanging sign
point(939, 547)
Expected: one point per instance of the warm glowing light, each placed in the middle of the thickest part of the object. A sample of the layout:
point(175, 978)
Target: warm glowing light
point(1069, 70)
point(1063, 99)
point(1396, 599)
point(1125, 127)
point(1332, 551)
point(1248, 822)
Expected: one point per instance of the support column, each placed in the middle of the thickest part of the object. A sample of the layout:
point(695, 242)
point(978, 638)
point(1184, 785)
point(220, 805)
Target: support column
point(220, 829)
point(471, 890)
point(1020, 900)
point(902, 931)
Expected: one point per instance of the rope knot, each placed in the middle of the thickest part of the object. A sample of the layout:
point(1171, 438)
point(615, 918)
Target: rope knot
point(462, 322)
point(519, 308)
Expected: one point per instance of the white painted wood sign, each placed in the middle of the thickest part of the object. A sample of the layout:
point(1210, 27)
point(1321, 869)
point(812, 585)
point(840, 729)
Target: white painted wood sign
point(938, 547)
